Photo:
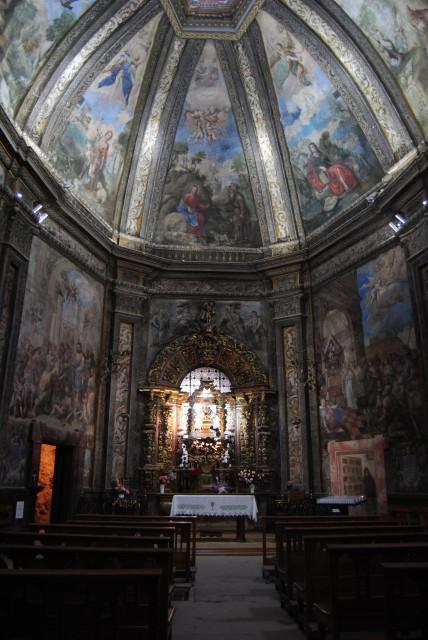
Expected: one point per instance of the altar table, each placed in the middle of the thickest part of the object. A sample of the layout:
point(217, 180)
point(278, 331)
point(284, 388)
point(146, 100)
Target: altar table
point(220, 506)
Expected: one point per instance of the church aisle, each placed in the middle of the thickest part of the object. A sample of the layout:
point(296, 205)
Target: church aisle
point(231, 601)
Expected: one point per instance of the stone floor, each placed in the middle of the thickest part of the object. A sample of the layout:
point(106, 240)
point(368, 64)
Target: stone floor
point(231, 601)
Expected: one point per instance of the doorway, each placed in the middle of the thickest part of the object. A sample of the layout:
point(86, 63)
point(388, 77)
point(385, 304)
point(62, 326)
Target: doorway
point(55, 481)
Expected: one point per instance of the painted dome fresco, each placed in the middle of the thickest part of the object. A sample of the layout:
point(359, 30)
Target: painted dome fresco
point(216, 125)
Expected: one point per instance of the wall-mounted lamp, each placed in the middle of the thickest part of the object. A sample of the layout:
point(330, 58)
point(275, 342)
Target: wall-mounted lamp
point(398, 222)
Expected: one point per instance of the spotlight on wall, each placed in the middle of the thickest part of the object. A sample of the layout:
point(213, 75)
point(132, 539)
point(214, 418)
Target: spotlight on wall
point(398, 223)
point(425, 202)
point(18, 195)
point(41, 217)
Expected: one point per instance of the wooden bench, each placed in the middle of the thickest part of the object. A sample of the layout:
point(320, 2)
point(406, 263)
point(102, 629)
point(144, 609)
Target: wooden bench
point(109, 558)
point(181, 535)
point(310, 585)
point(12, 536)
point(185, 539)
point(289, 549)
point(84, 604)
point(269, 523)
point(124, 518)
point(354, 598)
point(406, 597)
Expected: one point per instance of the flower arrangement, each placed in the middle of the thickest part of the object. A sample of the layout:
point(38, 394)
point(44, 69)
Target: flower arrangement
point(263, 475)
point(247, 475)
point(164, 479)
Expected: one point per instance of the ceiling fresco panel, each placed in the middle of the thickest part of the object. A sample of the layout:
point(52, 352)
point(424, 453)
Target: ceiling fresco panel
point(29, 31)
point(332, 160)
point(399, 32)
point(90, 151)
point(207, 198)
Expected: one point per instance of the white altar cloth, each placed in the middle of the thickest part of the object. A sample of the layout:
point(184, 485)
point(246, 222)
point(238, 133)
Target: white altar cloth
point(214, 505)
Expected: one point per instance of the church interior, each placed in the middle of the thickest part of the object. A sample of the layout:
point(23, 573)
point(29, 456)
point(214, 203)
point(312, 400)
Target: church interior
point(214, 317)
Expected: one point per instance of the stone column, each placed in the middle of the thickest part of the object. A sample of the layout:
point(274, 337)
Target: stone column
point(123, 441)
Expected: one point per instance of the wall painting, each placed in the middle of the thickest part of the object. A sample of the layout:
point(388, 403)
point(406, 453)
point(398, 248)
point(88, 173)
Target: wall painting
point(91, 150)
point(332, 161)
point(370, 377)
point(57, 364)
point(399, 32)
point(207, 197)
point(29, 30)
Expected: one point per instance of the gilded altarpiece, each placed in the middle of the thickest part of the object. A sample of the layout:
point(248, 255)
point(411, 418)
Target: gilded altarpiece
point(292, 386)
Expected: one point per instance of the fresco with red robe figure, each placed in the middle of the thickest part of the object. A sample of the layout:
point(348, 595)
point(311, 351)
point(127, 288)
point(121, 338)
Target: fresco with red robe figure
point(332, 161)
point(207, 198)
point(370, 377)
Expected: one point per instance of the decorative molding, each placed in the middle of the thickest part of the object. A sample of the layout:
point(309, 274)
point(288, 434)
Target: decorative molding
point(66, 244)
point(345, 50)
point(144, 167)
point(128, 304)
point(281, 216)
point(293, 409)
point(242, 117)
point(358, 252)
point(168, 127)
point(208, 287)
point(289, 307)
point(122, 375)
point(207, 347)
point(416, 240)
point(219, 28)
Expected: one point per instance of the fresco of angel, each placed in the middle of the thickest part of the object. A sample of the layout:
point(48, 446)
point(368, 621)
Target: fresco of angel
point(287, 61)
point(122, 71)
point(205, 125)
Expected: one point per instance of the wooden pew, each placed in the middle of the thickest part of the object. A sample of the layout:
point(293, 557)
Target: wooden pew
point(406, 597)
point(354, 600)
point(181, 534)
point(311, 584)
point(109, 558)
point(289, 549)
point(83, 517)
point(269, 525)
point(11, 536)
point(84, 604)
point(185, 541)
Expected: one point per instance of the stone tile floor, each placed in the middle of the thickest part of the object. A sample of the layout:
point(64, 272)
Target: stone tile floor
point(231, 601)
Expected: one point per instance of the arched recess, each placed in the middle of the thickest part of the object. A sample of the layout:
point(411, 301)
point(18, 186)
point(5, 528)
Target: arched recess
point(252, 439)
point(209, 347)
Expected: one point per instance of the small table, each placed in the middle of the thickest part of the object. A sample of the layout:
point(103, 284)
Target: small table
point(220, 506)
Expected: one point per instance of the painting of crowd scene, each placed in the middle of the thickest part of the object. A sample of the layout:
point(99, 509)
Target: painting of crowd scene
point(56, 371)
point(332, 161)
point(90, 151)
point(207, 197)
point(370, 377)
point(29, 31)
point(244, 321)
point(398, 29)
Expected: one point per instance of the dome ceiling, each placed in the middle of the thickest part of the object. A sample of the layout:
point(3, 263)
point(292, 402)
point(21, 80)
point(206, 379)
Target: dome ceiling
point(256, 128)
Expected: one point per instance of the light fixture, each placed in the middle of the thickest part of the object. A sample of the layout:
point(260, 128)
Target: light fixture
point(425, 202)
point(36, 207)
point(41, 217)
point(398, 223)
point(18, 195)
